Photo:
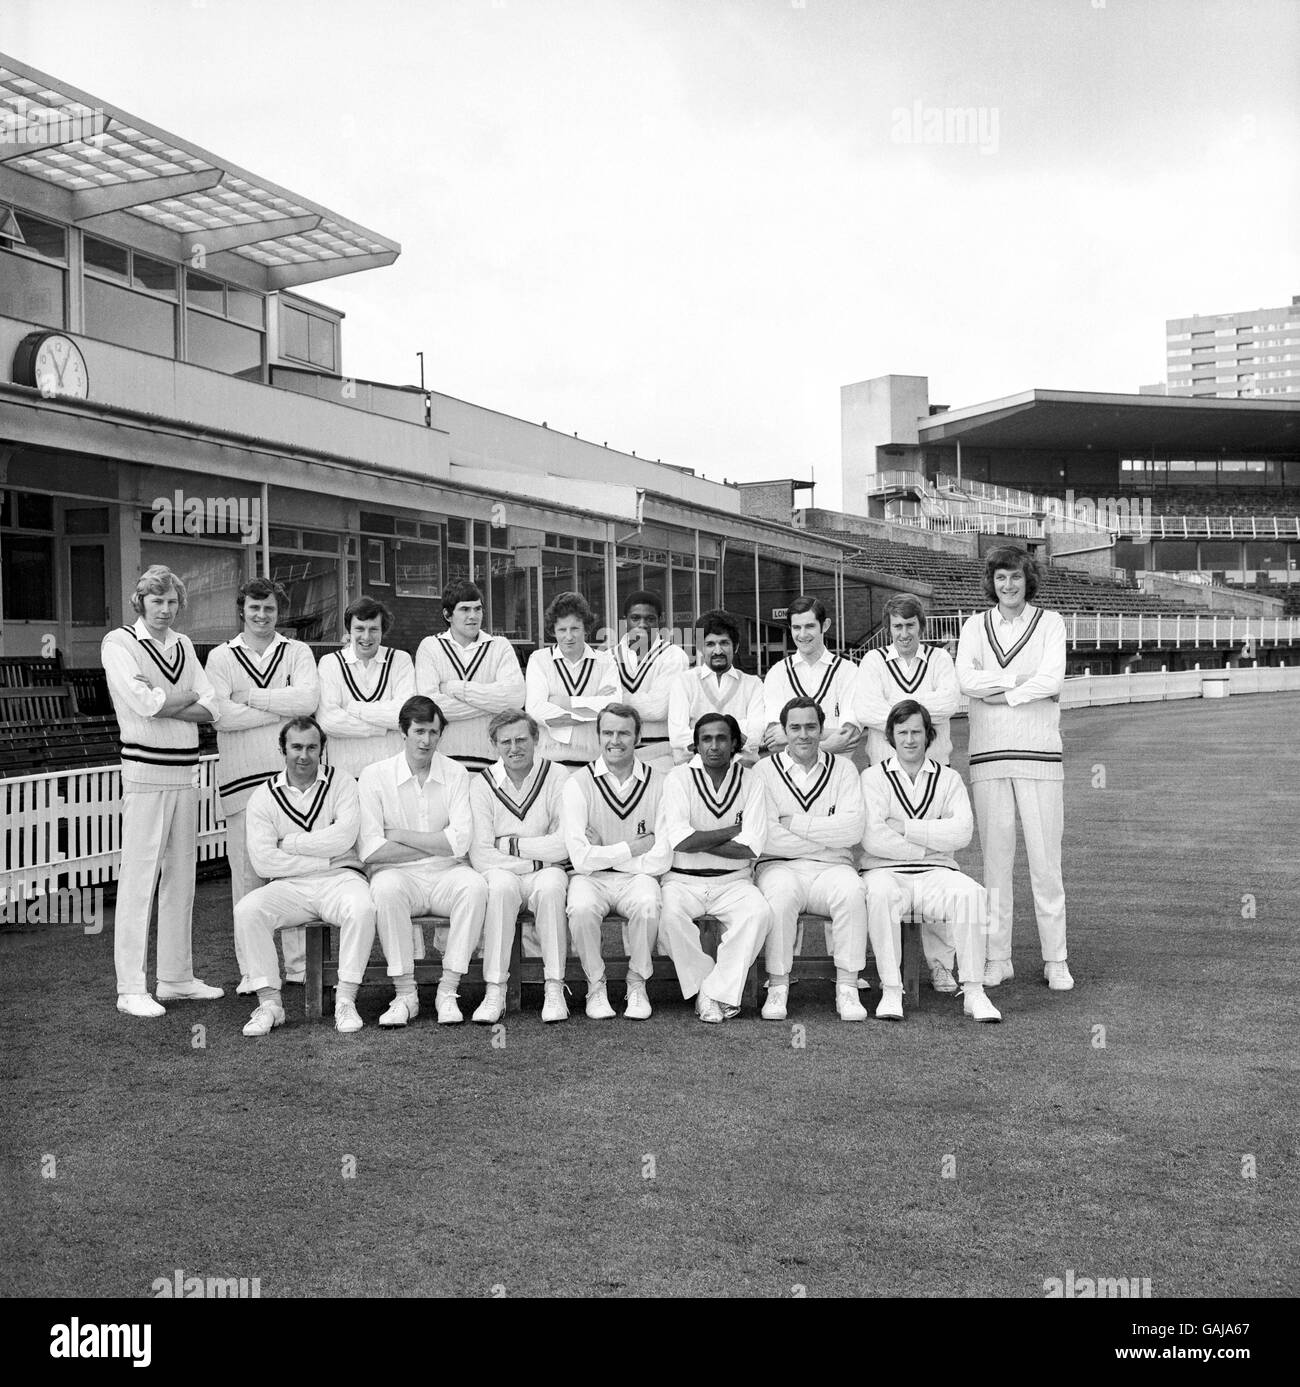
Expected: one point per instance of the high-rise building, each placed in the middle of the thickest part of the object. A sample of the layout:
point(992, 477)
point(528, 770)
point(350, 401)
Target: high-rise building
point(1235, 355)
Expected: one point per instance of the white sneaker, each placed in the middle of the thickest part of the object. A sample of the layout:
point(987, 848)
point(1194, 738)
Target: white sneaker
point(598, 1007)
point(554, 1008)
point(449, 1013)
point(493, 1006)
point(998, 971)
point(346, 1017)
point(638, 1004)
point(265, 1019)
point(192, 991)
point(848, 1003)
point(778, 994)
point(1057, 975)
point(707, 1009)
point(975, 1004)
point(941, 978)
point(245, 988)
point(400, 1011)
point(139, 1004)
point(891, 1004)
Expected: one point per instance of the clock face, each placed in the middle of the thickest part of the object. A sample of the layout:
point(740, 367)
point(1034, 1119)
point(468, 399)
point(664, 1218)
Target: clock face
point(53, 364)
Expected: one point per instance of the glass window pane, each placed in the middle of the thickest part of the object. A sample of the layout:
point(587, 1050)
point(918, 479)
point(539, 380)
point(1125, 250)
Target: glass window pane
point(34, 512)
point(211, 576)
point(202, 292)
point(313, 588)
point(244, 306)
point(105, 257)
point(86, 580)
point(43, 238)
point(155, 275)
point(88, 521)
point(293, 333)
point(320, 343)
point(30, 291)
point(418, 567)
point(27, 570)
point(511, 598)
point(480, 534)
point(223, 346)
point(130, 320)
point(456, 529)
point(315, 539)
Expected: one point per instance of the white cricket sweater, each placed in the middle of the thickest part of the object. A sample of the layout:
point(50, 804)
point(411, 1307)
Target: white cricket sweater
point(490, 664)
point(159, 752)
point(826, 813)
point(589, 685)
point(935, 813)
point(1021, 738)
point(280, 684)
point(293, 834)
point(883, 681)
point(645, 684)
point(531, 816)
point(359, 706)
point(591, 798)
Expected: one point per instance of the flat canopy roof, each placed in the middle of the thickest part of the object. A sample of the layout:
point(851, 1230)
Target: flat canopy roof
point(102, 161)
point(1140, 425)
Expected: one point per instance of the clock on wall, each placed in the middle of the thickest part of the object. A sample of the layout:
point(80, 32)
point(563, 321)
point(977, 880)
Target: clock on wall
point(53, 364)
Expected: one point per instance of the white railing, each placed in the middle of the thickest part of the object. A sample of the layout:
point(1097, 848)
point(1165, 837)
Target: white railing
point(985, 491)
point(977, 524)
point(68, 824)
point(893, 480)
point(1218, 526)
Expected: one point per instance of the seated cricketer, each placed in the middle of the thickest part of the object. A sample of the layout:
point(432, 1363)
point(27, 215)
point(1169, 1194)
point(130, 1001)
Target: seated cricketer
point(918, 815)
point(302, 838)
point(817, 817)
point(518, 845)
point(416, 830)
point(714, 817)
point(610, 809)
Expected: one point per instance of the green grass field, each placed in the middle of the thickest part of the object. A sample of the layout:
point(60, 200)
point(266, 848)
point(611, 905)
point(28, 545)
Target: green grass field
point(935, 1158)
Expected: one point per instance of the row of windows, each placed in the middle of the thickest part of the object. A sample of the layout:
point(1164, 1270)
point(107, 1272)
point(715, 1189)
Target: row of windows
point(138, 301)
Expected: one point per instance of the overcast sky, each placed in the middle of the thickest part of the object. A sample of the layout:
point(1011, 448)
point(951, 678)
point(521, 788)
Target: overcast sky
point(681, 225)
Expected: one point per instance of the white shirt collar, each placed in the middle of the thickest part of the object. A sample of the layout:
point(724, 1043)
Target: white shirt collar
point(1026, 612)
point(639, 769)
point(928, 767)
point(892, 652)
point(497, 770)
point(481, 639)
point(824, 659)
point(706, 673)
point(276, 639)
point(405, 773)
point(790, 764)
point(142, 631)
point(587, 654)
point(282, 780)
point(352, 658)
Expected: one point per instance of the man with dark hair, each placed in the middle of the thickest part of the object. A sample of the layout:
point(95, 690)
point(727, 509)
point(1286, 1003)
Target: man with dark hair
point(715, 685)
point(362, 687)
point(812, 672)
point(302, 840)
point(714, 817)
point(906, 668)
point(159, 693)
point(260, 678)
point(816, 820)
point(1011, 665)
point(610, 811)
point(470, 674)
point(918, 816)
point(519, 847)
point(568, 683)
point(416, 830)
point(648, 665)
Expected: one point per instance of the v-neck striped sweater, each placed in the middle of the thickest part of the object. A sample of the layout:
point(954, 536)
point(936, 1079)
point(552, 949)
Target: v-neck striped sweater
point(1021, 741)
point(159, 752)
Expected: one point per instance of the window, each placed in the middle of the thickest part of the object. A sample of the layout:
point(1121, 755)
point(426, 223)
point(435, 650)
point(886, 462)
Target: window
point(129, 319)
point(31, 287)
point(105, 257)
point(417, 569)
point(28, 578)
point(202, 292)
point(376, 562)
point(221, 346)
point(308, 337)
point(154, 275)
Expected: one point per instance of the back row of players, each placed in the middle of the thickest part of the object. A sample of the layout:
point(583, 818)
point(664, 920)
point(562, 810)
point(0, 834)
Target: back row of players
point(573, 762)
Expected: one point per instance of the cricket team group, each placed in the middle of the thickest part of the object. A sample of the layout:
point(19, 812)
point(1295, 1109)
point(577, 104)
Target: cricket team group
point(368, 790)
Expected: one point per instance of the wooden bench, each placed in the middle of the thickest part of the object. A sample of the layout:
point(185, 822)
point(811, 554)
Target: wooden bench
point(322, 962)
point(34, 704)
point(58, 745)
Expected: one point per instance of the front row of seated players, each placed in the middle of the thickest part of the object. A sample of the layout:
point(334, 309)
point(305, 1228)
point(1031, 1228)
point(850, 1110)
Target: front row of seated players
point(661, 850)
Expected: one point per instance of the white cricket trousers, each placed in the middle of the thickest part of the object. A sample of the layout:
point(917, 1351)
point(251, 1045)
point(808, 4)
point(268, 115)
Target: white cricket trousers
point(543, 892)
point(941, 896)
point(244, 879)
point(1041, 806)
point(821, 888)
point(635, 896)
point(746, 919)
point(399, 892)
point(339, 898)
point(159, 834)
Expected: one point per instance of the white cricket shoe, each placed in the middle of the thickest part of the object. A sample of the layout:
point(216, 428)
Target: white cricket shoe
point(192, 991)
point(449, 1012)
point(975, 1004)
point(346, 1017)
point(778, 994)
point(941, 978)
point(400, 1011)
point(554, 1007)
point(265, 1019)
point(638, 1004)
point(598, 1007)
point(708, 1009)
point(139, 1004)
point(998, 971)
point(1057, 975)
point(847, 1002)
point(493, 1006)
point(890, 1007)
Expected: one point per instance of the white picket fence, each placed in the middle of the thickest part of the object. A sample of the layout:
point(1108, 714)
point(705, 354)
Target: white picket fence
point(64, 829)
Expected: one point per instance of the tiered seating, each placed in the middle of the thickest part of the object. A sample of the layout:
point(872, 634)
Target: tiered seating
point(1289, 593)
